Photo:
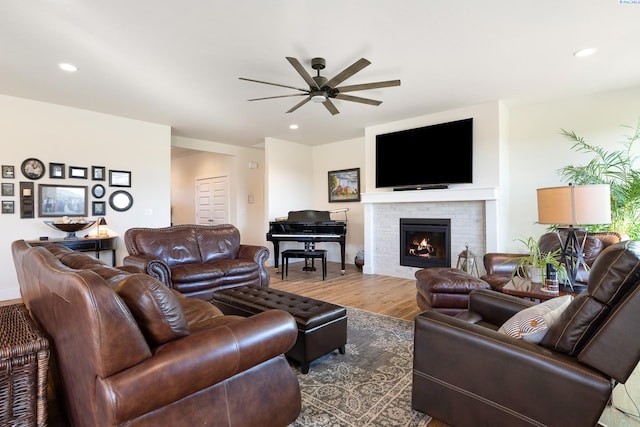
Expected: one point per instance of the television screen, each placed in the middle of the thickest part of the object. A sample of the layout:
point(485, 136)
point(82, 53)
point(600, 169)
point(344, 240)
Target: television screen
point(434, 155)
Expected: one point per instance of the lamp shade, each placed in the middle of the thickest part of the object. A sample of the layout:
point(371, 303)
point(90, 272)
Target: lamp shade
point(574, 204)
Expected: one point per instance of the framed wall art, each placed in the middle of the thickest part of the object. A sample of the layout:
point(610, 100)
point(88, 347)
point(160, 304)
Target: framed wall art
point(119, 178)
point(98, 173)
point(77, 172)
point(8, 172)
point(344, 185)
point(7, 189)
point(62, 200)
point(98, 191)
point(32, 168)
point(8, 207)
point(56, 170)
point(98, 208)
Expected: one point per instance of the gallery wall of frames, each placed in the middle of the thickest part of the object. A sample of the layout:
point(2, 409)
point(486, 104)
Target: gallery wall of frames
point(72, 190)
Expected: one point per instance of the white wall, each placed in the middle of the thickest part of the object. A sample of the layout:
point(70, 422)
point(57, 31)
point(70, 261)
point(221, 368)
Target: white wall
point(57, 134)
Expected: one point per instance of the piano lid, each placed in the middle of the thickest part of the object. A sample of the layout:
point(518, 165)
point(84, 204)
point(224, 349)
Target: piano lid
point(308, 215)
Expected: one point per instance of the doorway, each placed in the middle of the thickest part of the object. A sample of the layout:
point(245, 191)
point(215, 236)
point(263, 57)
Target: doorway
point(212, 200)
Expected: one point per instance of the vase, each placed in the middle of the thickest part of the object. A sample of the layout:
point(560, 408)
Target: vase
point(536, 274)
point(359, 260)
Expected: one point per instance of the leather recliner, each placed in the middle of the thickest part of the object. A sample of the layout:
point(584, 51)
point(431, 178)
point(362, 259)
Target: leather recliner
point(197, 260)
point(466, 373)
point(128, 351)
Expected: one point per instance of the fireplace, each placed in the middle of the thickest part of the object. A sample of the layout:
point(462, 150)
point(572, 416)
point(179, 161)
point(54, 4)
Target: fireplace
point(425, 242)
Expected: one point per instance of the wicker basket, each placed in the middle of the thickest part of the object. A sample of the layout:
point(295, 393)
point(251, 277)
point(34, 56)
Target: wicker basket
point(24, 362)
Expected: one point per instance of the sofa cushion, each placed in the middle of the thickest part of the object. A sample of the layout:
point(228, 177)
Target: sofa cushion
point(613, 273)
point(532, 323)
point(174, 246)
point(218, 243)
point(155, 307)
point(212, 271)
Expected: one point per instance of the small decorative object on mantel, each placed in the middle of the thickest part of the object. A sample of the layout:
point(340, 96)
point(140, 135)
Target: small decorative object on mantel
point(467, 261)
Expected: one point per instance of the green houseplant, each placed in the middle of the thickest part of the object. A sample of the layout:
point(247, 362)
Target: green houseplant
point(618, 169)
point(534, 265)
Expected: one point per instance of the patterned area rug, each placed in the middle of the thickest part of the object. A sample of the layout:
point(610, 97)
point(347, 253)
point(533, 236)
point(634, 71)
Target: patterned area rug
point(370, 385)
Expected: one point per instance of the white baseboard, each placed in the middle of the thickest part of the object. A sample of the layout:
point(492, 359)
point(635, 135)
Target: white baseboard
point(10, 293)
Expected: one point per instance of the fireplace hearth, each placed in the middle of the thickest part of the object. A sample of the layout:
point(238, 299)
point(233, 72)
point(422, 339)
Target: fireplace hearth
point(425, 242)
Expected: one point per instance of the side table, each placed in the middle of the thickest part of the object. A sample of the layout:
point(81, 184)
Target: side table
point(24, 364)
point(525, 288)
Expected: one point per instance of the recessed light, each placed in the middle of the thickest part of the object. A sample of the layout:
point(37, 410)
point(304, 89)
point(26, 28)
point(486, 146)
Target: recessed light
point(584, 52)
point(68, 67)
point(294, 126)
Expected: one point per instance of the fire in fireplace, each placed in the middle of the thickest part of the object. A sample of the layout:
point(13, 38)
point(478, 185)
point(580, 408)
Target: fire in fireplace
point(425, 242)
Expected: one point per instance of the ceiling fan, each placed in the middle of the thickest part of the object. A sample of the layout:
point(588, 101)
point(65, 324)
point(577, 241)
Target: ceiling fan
point(321, 89)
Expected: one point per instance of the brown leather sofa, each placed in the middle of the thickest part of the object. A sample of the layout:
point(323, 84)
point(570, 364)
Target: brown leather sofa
point(466, 373)
point(196, 260)
point(499, 267)
point(131, 352)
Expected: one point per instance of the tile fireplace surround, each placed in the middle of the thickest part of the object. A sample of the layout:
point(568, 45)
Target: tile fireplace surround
point(472, 211)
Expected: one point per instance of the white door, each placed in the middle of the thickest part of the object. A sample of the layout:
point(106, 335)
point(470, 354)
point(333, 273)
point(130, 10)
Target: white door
point(212, 200)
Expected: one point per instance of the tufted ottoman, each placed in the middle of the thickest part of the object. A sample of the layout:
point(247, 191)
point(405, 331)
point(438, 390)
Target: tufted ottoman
point(322, 326)
point(446, 289)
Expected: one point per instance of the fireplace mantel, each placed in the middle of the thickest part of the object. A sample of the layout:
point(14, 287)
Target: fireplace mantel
point(446, 195)
point(381, 227)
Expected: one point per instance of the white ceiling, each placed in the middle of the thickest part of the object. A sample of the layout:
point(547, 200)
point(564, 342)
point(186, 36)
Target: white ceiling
point(178, 62)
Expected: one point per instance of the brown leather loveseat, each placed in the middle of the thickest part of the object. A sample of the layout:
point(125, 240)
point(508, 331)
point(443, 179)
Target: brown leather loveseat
point(132, 352)
point(500, 266)
point(197, 260)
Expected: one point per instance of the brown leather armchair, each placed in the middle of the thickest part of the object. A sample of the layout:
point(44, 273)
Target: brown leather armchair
point(499, 266)
point(129, 351)
point(196, 260)
point(466, 373)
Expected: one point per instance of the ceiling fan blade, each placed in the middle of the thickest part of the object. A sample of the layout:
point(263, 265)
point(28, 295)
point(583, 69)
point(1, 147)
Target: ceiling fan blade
point(299, 104)
point(278, 96)
point(358, 99)
point(303, 73)
point(366, 86)
point(274, 84)
point(348, 72)
point(331, 107)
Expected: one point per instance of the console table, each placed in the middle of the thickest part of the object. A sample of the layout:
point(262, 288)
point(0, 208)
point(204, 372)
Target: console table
point(84, 244)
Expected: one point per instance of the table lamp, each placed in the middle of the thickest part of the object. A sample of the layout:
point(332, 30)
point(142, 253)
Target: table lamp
point(100, 221)
point(569, 207)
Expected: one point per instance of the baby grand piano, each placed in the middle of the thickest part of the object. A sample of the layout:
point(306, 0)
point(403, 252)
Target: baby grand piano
point(307, 226)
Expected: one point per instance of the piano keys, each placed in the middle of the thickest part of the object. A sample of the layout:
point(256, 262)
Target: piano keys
point(309, 227)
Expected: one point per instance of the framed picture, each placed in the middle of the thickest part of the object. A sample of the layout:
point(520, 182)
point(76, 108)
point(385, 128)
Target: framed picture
point(77, 172)
point(119, 178)
point(62, 200)
point(97, 173)
point(344, 185)
point(98, 208)
point(8, 207)
point(56, 170)
point(8, 172)
point(7, 189)
point(98, 191)
point(32, 168)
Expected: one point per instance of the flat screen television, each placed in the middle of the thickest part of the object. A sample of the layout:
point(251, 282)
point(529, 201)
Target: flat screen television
point(426, 157)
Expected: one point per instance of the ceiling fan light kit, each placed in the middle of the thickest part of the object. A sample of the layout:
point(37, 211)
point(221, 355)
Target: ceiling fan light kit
point(321, 89)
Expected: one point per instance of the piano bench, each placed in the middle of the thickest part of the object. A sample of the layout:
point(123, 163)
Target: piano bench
point(306, 255)
point(322, 326)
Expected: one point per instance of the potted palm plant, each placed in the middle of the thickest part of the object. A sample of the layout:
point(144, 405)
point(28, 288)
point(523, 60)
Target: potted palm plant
point(534, 265)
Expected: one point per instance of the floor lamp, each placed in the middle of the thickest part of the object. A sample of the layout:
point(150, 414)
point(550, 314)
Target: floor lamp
point(569, 207)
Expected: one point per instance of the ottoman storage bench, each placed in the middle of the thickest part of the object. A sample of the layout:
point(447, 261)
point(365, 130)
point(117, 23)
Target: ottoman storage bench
point(322, 326)
point(446, 290)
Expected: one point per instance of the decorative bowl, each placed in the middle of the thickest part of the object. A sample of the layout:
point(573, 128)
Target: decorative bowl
point(70, 227)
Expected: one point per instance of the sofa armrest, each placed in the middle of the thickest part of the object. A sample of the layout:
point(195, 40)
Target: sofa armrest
point(258, 254)
point(501, 263)
point(193, 363)
point(154, 267)
point(493, 307)
point(456, 361)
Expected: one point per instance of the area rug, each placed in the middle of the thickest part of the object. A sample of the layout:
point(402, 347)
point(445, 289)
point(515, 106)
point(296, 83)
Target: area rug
point(370, 385)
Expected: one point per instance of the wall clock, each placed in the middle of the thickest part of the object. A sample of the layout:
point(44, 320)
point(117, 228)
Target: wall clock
point(32, 168)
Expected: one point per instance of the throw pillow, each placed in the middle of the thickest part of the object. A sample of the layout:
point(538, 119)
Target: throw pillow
point(532, 323)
